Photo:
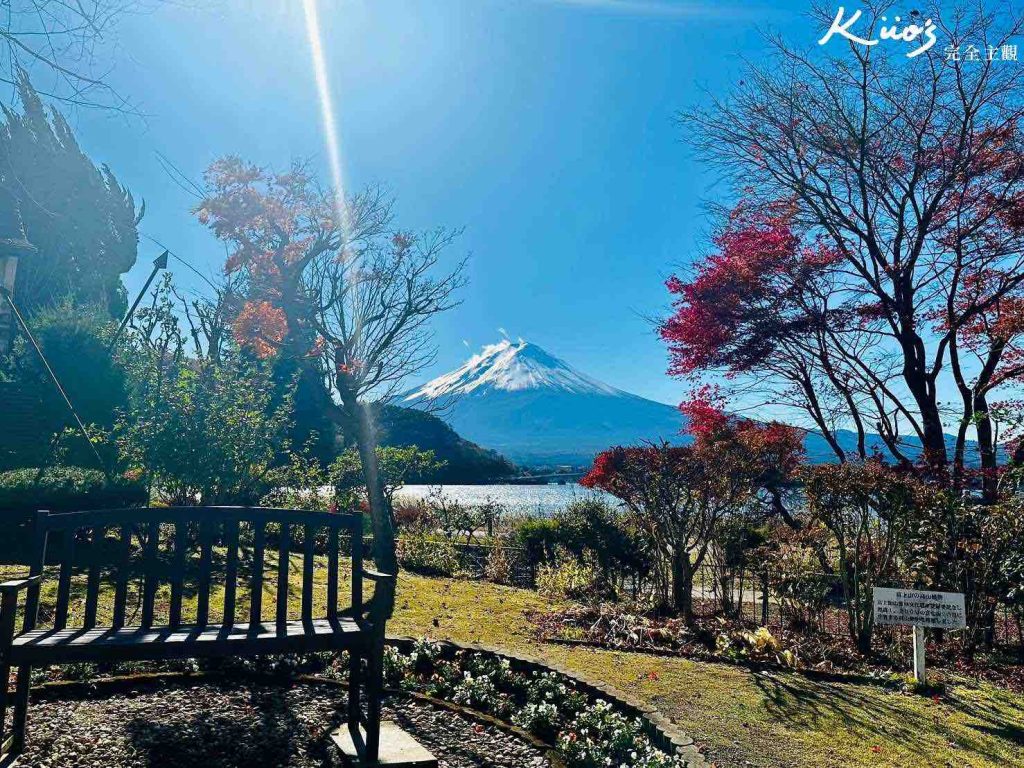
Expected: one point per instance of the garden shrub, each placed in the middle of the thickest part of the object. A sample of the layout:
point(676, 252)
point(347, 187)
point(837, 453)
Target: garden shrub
point(594, 531)
point(796, 577)
point(569, 579)
point(759, 645)
point(539, 537)
point(503, 565)
point(62, 489)
point(429, 555)
point(410, 515)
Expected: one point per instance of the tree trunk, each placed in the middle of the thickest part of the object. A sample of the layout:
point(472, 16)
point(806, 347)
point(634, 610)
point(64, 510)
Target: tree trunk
point(682, 584)
point(923, 390)
point(360, 423)
point(986, 448)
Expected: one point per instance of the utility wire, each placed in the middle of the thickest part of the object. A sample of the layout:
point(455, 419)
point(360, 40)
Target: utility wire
point(180, 259)
point(56, 382)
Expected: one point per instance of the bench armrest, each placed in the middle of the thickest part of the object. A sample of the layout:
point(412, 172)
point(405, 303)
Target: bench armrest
point(377, 575)
point(16, 585)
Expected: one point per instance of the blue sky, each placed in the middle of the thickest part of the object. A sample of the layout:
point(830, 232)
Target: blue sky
point(544, 128)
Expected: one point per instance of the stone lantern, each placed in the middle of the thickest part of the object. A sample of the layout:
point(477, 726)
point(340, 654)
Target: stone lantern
point(13, 247)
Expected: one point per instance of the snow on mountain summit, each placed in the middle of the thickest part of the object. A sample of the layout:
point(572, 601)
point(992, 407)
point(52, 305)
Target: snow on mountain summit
point(511, 367)
point(537, 410)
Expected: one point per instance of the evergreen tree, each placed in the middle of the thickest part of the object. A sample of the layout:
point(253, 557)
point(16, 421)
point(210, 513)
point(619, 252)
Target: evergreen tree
point(82, 222)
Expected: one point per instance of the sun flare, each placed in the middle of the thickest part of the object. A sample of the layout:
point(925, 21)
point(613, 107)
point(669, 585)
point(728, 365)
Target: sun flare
point(327, 113)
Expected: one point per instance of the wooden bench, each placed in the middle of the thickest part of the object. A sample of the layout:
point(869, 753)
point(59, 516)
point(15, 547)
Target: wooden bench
point(193, 550)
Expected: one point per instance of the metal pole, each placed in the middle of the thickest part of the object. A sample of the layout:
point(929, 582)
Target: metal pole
point(159, 263)
point(919, 671)
point(764, 599)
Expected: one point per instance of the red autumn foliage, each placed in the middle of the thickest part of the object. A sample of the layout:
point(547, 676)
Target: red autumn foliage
point(261, 327)
point(747, 295)
point(764, 452)
point(275, 224)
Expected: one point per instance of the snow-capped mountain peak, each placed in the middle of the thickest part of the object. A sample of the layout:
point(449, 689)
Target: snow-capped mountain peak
point(511, 367)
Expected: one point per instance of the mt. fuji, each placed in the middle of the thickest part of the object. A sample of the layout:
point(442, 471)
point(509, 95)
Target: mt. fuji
point(537, 410)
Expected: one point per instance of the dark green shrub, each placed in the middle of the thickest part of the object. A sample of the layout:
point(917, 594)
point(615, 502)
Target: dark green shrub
point(595, 525)
point(538, 536)
point(428, 555)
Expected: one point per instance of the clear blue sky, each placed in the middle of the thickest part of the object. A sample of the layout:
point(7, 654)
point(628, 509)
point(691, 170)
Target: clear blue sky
point(545, 128)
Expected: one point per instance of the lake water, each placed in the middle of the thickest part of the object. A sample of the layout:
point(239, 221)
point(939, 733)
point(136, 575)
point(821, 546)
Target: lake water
point(534, 500)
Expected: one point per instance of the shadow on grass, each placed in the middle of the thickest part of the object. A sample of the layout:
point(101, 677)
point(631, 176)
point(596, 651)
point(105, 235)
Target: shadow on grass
point(879, 717)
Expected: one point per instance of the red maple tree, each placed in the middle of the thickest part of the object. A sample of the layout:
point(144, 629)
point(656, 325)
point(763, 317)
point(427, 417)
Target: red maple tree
point(873, 266)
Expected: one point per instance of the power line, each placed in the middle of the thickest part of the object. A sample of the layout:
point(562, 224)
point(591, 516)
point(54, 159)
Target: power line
point(56, 382)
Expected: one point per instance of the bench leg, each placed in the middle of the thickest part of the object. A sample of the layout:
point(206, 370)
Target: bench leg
point(20, 709)
point(8, 609)
point(374, 694)
point(5, 697)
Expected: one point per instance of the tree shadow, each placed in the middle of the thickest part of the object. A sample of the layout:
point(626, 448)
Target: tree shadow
point(877, 716)
point(273, 735)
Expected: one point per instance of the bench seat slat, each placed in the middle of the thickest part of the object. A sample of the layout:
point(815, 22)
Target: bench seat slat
point(184, 640)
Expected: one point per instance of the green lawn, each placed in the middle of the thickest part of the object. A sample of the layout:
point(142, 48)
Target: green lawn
point(744, 718)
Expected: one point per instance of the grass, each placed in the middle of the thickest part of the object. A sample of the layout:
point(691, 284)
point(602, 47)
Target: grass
point(744, 718)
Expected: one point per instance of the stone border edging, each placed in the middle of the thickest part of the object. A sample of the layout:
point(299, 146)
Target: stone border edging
point(662, 732)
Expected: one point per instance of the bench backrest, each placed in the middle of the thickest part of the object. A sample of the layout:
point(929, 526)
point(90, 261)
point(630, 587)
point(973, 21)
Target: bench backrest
point(194, 550)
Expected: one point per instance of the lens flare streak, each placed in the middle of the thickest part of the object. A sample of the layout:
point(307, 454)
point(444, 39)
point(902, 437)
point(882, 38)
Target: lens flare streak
point(327, 114)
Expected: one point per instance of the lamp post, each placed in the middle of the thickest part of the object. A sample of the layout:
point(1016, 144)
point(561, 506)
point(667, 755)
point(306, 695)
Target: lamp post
point(13, 246)
point(159, 263)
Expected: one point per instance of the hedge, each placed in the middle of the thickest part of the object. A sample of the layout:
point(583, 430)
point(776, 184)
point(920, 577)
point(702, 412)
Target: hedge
point(58, 489)
point(62, 489)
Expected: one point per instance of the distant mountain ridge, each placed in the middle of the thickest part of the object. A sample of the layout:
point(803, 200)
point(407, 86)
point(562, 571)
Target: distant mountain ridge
point(537, 410)
point(464, 461)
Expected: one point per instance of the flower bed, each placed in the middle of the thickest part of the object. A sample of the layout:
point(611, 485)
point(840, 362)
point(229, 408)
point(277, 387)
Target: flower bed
point(587, 732)
point(731, 640)
point(235, 721)
point(585, 727)
point(718, 639)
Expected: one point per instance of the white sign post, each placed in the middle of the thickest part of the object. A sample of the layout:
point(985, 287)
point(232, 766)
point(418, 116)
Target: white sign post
point(919, 609)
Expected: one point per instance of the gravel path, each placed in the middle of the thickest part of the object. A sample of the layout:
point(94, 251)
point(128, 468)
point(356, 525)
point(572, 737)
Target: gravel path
point(235, 724)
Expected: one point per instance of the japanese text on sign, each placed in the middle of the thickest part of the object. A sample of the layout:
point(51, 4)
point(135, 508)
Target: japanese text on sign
point(944, 610)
